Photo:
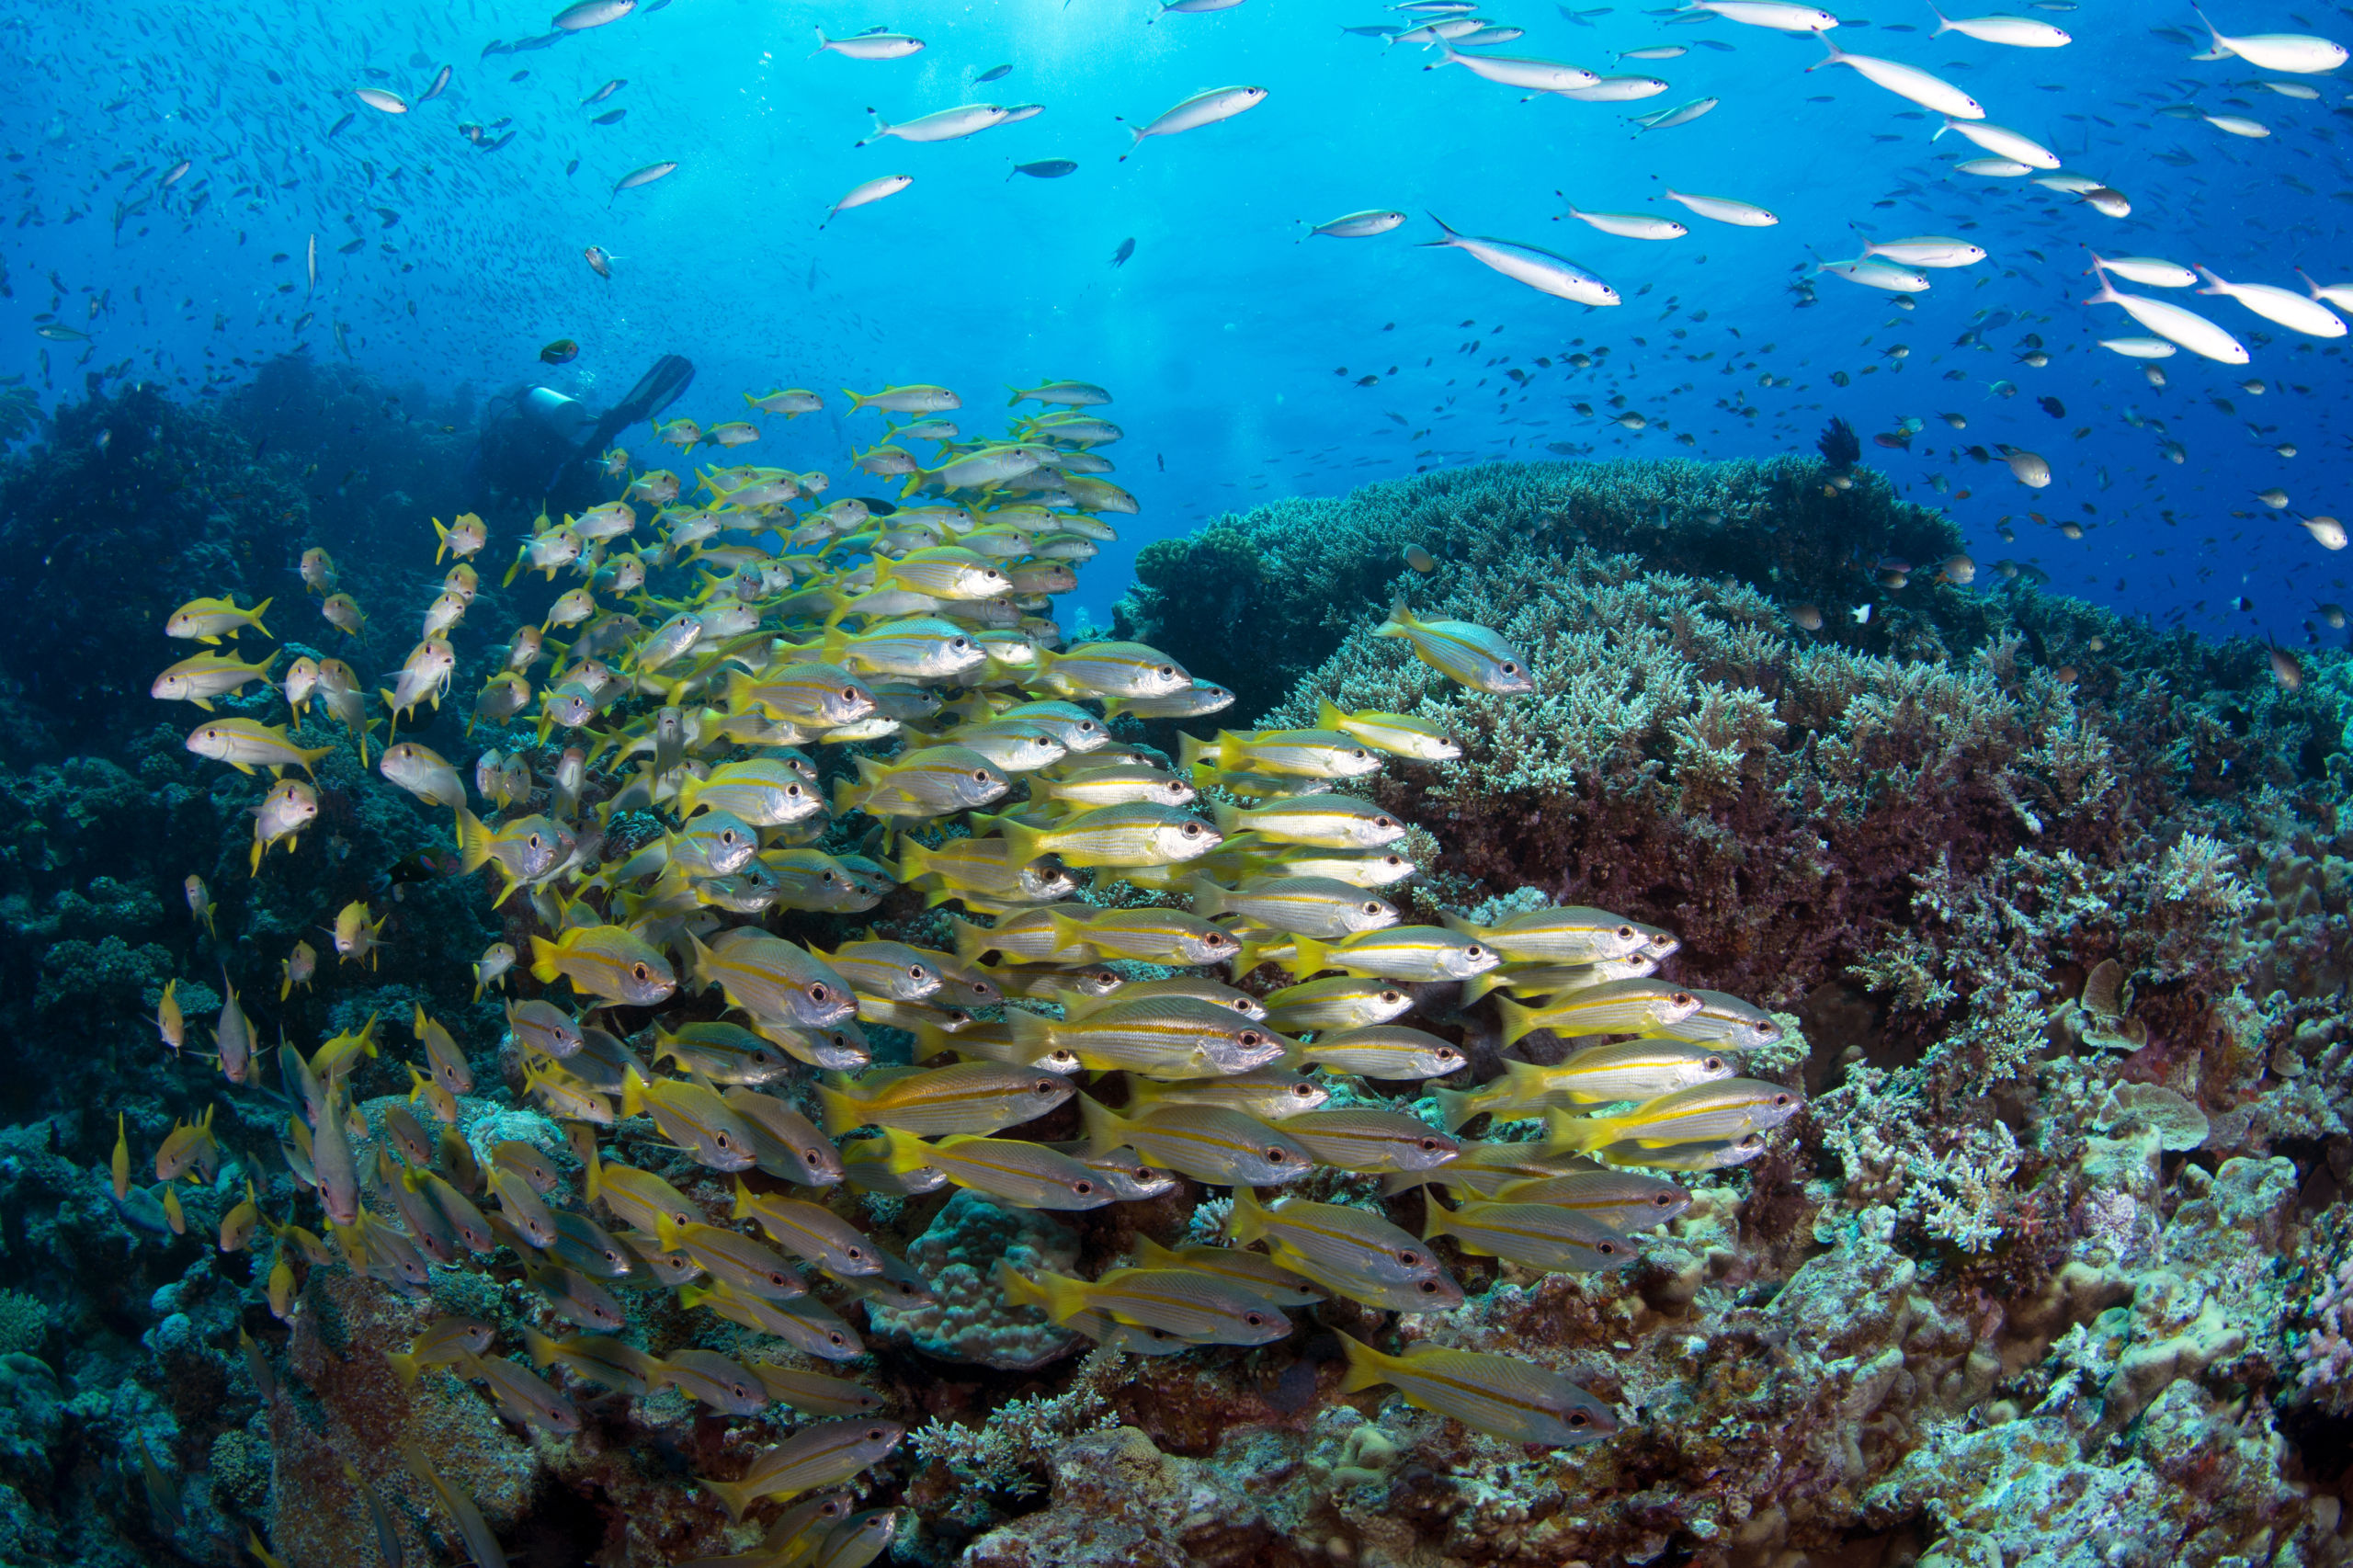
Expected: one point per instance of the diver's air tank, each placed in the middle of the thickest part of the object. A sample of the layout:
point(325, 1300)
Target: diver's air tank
point(560, 416)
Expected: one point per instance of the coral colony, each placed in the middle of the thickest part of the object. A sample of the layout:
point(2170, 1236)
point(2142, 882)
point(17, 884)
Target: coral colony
point(1633, 1012)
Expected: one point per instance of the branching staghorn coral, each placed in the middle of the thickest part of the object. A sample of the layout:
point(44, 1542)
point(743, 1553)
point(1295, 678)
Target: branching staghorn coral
point(1007, 1451)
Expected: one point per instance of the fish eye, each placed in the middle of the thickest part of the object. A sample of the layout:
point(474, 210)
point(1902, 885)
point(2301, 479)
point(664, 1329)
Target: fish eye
point(1474, 952)
point(1083, 1188)
point(1713, 1064)
point(1663, 1199)
point(874, 1434)
point(1626, 931)
point(1256, 1319)
point(1371, 906)
point(720, 1139)
point(1681, 997)
point(1780, 1099)
point(980, 775)
point(856, 1254)
point(1249, 1038)
point(1428, 1286)
point(1391, 997)
point(1044, 1086)
point(809, 1156)
point(792, 790)
point(1408, 1257)
point(1509, 669)
point(1303, 1090)
point(1446, 1053)
point(1607, 1249)
point(1429, 1145)
point(637, 971)
point(1577, 1419)
point(1277, 1156)
point(1193, 830)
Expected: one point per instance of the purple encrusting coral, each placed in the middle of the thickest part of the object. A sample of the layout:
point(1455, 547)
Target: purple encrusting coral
point(2053, 910)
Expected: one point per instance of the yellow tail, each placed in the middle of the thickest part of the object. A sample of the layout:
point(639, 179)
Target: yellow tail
point(1023, 844)
point(1368, 1367)
point(1019, 1289)
point(543, 969)
point(473, 842)
point(1434, 1217)
point(842, 1113)
point(1566, 1134)
point(1105, 1128)
point(1247, 1221)
point(970, 940)
point(908, 1152)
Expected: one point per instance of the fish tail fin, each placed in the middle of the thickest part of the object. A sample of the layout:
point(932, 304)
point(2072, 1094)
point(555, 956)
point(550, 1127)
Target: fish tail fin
point(1023, 843)
point(1833, 58)
point(1247, 1221)
point(1068, 933)
point(543, 1349)
point(1453, 1108)
point(2310, 286)
point(1031, 1032)
point(1485, 983)
point(1105, 1128)
point(1019, 1289)
point(255, 870)
point(841, 1112)
point(1208, 899)
point(1401, 619)
point(1313, 957)
point(1366, 1369)
point(404, 1367)
point(1192, 750)
point(1018, 394)
point(1566, 1134)
point(1328, 714)
point(2214, 285)
point(1150, 1253)
point(971, 941)
point(1227, 817)
point(543, 967)
point(908, 1152)
point(1518, 1022)
point(473, 842)
point(1943, 27)
point(1434, 1217)
point(1252, 951)
point(733, 1496)
point(260, 610)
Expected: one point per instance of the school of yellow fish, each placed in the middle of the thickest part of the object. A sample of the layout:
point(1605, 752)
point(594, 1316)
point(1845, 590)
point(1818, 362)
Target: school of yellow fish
point(663, 808)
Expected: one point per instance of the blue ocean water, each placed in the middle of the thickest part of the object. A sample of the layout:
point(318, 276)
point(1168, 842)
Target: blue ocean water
point(1248, 361)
